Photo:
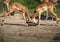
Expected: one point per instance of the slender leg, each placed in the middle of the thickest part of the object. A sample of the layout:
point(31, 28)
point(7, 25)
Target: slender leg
point(39, 15)
point(54, 15)
point(27, 15)
point(24, 16)
point(25, 19)
point(2, 21)
point(5, 15)
point(46, 15)
point(8, 8)
point(33, 17)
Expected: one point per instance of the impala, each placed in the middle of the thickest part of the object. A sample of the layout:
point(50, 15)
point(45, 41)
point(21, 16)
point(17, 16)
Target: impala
point(47, 10)
point(17, 6)
point(41, 8)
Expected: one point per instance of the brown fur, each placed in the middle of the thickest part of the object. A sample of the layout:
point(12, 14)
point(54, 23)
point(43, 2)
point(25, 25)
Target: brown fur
point(38, 10)
point(18, 6)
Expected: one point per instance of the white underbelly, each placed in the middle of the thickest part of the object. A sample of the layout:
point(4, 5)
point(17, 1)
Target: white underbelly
point(44, 9)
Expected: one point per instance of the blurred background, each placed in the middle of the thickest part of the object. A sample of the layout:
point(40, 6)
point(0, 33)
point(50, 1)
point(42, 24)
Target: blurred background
point(31, 4)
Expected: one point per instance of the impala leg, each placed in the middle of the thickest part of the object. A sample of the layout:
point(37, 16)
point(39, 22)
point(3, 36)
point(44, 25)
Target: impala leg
point(8, 7)
point(33, 18)
point(39, 15)
point(28, 19)
point(46, 15)
point(25, 19)
point(54, 15)
point(24, 16)
point(5, 15)
point(2, 22)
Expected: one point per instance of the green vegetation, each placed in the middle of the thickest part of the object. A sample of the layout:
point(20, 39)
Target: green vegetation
point(3, 7)
point(56, 38)
point(58, 10)
point(29, 3)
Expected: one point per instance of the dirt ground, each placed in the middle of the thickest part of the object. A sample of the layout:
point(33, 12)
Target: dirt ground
point(16, 30)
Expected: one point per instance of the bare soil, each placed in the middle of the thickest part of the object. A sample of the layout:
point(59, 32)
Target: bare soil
point(16, 30)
